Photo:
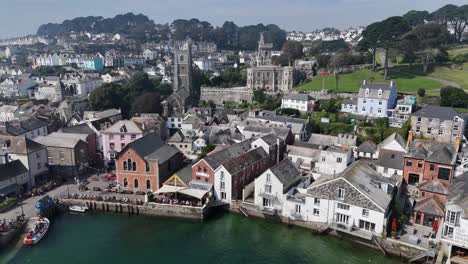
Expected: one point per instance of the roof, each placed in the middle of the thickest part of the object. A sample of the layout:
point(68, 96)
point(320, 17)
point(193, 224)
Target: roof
point(58, 142)
point(185, 174)
point(20, 145)
point(127, 126)
point(349, 101)
point(341, 139)
point(431, 205)
point(374, 90)
point(391, 159)
point(433, 111)
point(242, 161)
point(146, 145)
point(78, 129)
point(458, 193)
point(431, 151)
point(20, 128)
point(364, 179)
point(299, 97)
point(304, 150)
point(393, 137)
point(434, 186)
point(61, 135)
point(367, 147)
point(163, 154)
point(281, 132)
point(12, 169)
point(95, 115)
point(218, 158)
point(286, 172)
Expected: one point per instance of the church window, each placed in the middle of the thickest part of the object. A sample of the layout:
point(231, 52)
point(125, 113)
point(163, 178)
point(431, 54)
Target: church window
point(181, 58)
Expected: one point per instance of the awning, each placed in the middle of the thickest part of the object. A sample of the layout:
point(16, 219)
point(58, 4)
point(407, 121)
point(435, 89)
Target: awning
point(168, 189)
point(197, 193)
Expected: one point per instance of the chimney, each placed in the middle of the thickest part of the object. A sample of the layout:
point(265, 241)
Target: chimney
point(364, 82)
point(392, 83)
point(457, 144)
point(410, 138)
point(278, 150)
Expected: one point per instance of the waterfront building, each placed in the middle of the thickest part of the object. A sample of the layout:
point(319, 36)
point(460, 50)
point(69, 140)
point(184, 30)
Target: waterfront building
point(391, 153)
point(442, 124)
point(333, 160)
point(356, 201)
point(302, 102)
point(374, 100)
point(144, 164)
point(455, 224)
point(14, 174)
point(272, 185)
point(85, 133)
point(428, 172)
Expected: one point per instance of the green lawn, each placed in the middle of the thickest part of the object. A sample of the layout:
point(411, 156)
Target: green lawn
point(462, 110)
point(406, 79)
point(458, 76)
point(454, 52)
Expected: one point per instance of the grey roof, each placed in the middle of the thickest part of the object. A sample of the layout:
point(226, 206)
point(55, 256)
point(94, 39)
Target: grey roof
point(283, 119)
point(185, 174)
point(367, 147)
point(374, 90)
point(129, 126)
point(458, 192)
point(350, 101)
point(145, 145)
point(434, 186)
point(218, 158)
point(299, 97)
point(271, 139)
point(444, 153)
point(12, 169)
point(238, 163)
point(341, 139)
point(433, 111)
point(59, 142)
point(364, 179)
point(304, 150)
point(163, 154)
point(78, 129)
point(281, 132)
point(391, 159)
point(286, 172)
point(393, 137)
point(431, 205)
point(20, 128)
point(19, 144)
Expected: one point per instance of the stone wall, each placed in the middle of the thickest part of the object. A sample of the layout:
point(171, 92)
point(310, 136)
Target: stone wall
point(221, 95)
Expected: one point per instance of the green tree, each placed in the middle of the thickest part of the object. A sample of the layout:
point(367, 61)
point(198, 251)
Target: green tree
point(293, 50)
point(259, 96)
point(148, 102)
point(110, 95)
point(421, 92)
point(456, 16)
point(207, 149)
point(370, 41)
point(415, 18)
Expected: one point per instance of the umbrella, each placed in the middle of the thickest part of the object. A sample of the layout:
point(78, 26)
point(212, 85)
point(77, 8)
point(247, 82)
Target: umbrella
point(394, 224)
point(435, 226)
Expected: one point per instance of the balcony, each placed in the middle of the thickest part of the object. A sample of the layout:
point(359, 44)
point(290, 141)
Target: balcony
point(352, 230)
point(203, 174)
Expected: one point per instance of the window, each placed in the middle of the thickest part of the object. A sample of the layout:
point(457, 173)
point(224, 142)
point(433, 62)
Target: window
point(122, 145)
point(112, 146)
point(342, 218)
point(268, 177)
point(420, 164)
point(148, 184)
point(365, 212)
point(61, 155)
point(418, 129)
point(148, 168)
point(268, 188)
point(452, 218)
point(379, 110)
point(111, 137)
point(409, 163)
point(366, 225)
point(204, 169)
point(316, 212)
point(380, 102)
point(222, 185)
point(323, 158)
point(448, 231)
point(223, 195)
point(122, 137)
point(135, 183)
point(134, 166)
point(342, 206)
point(133, 136)
point(298, 208)
point(444, 174)
point(181, 58)
point(316, 201)
point(125, 182)
point(341, 193)
point(419, 119)
point(431, 167)
point(267, 202)
point(455, 128)
point(339, 160)
point(429, 130)
point(125, 165)
point(385, 170)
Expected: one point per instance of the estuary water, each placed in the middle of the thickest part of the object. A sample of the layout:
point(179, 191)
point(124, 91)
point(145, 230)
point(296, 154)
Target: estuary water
point(227, 238)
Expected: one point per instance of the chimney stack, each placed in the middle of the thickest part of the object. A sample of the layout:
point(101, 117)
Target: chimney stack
point(457, 144)
point(410, 138)
point(392, 83)
point(364, 82)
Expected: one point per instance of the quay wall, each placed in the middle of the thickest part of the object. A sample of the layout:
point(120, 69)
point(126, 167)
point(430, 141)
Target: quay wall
point(148, 209)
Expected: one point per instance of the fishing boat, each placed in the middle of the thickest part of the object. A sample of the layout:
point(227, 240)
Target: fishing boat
point(37, 232)
point(77, 208)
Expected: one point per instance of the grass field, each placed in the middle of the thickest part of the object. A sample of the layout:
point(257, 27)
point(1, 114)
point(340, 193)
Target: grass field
point(458, 76)
point(454, 52)
point(407, 81)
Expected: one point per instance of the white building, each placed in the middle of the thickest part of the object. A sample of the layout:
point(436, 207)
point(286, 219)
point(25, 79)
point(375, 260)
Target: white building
point(355, 202)
point(7, 113)
point(14, 173)
point(302, 102)
point(150, 54)
point(333, 160)
point(391, 154)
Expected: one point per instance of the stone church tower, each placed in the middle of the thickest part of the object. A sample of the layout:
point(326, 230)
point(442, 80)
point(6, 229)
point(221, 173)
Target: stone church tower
point(264, 52)
point(183, 96)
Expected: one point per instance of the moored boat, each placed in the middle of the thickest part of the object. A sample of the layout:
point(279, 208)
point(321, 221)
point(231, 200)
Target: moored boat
point(77, 208)
point(37, 232)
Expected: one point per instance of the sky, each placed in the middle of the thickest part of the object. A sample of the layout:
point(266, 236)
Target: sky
point(22, 17)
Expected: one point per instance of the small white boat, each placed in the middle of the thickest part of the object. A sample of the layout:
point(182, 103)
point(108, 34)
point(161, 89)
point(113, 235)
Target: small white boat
point(77, 208)
point(37, 232)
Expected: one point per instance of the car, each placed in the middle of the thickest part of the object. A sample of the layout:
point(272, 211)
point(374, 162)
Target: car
point(110, 177)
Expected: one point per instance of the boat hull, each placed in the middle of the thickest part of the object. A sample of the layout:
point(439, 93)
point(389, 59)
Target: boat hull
point(38, 231)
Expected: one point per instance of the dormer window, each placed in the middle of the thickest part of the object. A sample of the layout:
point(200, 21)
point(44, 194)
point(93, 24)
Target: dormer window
point(380, 92)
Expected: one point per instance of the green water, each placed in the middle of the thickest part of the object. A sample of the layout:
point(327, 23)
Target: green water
point(115, 239)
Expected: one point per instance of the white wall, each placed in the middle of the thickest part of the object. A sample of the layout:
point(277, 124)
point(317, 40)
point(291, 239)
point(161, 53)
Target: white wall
point(276, 190)
point(217, 184)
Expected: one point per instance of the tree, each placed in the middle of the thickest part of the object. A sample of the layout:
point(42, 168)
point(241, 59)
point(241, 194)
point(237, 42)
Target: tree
point(414, 18)
point(390, 30)
point(259, 96)
point(293, 50)
point(370, 41)
point(453, 97)
point(323, 60)
point(205, 150)
point(456, 17)
point(138, 84)
point(109, 95)
point(148, 102)
point(421, 92)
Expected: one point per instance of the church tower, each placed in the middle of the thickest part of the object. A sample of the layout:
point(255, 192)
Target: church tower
point(183, 66)
point(264, 52)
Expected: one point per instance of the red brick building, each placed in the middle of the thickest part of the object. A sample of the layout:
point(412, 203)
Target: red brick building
point(428, 172)
point(146, 163)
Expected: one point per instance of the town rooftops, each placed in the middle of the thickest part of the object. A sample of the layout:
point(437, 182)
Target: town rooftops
point(78, 129)
point(58, 141)
point(286, 172)
point(341, 139)
point(20, 128)
point(367, 147)
point(299, 97)
point(433, 111)
point(390, 159)
point(19, 145)
point(238, 163)
point(393, 137)
point(458, 194)
point(216, 159)
point(364, 179)
point(437, 152)
point(281, 132)
point(12, 169)
point(124, 126)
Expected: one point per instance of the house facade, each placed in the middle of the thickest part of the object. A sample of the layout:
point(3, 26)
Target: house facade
point(302, 102)
point(117, 136)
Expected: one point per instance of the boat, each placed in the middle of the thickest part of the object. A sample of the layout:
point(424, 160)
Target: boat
point(77, 208)
point(37, 232)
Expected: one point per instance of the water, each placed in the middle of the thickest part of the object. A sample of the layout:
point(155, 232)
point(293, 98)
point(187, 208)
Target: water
point(121, 239)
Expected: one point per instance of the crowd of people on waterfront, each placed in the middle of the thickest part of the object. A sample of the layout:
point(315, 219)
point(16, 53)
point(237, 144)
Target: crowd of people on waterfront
point(175, 201)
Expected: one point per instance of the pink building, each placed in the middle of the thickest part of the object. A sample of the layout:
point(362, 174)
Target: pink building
point(117, 136)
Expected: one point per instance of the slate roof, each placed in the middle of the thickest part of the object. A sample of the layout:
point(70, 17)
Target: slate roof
point(433, 152)
point(364, 179)
point(185, 174)
point(163, 154)
point(299, 97)
point(341, 139)
point(374, 90)
point(60, 135)
point(145, 145)
point(78, 129)
point(367, 147)
point(286, 172)
point(20, 128)
point(391, 159)
point(434, 186)
point(304, 150)
point(458, 193)
point(130, 127)
point(20, 145)
point(431, 205)
point(58, 142)
point(281, 132)
point(271, 139)
point(237, 164)
point(393, 137)
point(433, 111)
point(350, 101)
point(216, 159)
point(12, 169)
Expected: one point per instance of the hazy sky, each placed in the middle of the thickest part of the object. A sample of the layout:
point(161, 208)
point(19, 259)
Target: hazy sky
point(21, 17)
